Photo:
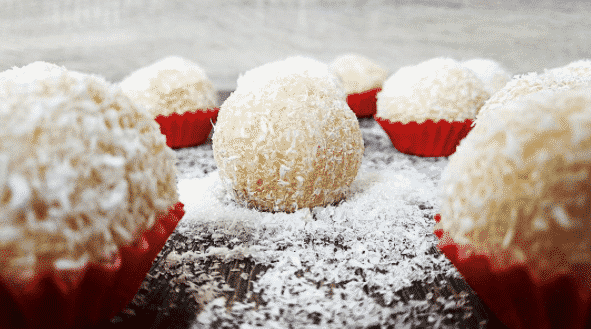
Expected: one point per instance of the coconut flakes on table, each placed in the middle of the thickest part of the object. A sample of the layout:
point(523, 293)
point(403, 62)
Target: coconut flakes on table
point(380, 153)
point(195, 161)
point(323, 259)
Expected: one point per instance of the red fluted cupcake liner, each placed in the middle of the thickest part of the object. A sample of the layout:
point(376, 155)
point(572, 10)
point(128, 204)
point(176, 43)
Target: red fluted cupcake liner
point(363, 104)
point(427, 139)
point(519, 299)
point(82, 297)
point(188, 129)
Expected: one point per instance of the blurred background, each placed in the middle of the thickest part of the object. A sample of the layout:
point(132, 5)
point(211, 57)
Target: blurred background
point(115, 37)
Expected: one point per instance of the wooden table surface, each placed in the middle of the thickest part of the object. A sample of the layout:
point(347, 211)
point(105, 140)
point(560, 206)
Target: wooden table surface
point(167, 298)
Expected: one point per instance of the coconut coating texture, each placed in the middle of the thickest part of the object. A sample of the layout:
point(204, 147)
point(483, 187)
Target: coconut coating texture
point(82, 169)
point(257, 78)
point(288, 140)
point(437, 89)
point(171, 85)
point(519, 185)
point(530, 83)
point(493, 75)
point(358, 73)
point(580, 68)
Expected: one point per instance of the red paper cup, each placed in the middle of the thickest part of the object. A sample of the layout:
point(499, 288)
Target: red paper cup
point(519, 299)
point(363, 104)
point(187, 129)
point(427, 139)
point(82, 297)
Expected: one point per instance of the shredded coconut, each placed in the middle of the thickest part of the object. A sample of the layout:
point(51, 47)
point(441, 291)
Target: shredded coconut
point(358, 73)
point(286, 139)
point(437, 89)
point(379, 240)
point(171, 85)
point(532, 82)
point(580, 68)
point(255, 79)
point(493, 75)
point(520, 181)
point(82, 170)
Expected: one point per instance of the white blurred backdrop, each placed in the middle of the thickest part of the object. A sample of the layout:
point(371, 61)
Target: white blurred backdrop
point(114, 37)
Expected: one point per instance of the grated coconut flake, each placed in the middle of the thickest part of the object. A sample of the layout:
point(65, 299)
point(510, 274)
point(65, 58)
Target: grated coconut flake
point(323, 258)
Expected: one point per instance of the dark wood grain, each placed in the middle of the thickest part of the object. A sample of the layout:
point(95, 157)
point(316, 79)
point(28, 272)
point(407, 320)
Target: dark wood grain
point(163, 301)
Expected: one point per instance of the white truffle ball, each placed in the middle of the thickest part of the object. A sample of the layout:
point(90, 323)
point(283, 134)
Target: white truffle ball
point(437, 89)
point(519, 185)
point(493, 75)
point(581, 68)
point(82, 169)
point(295, 65)
point(358, 73)
point(286, 138)
point(171, 85)
point(529, 83)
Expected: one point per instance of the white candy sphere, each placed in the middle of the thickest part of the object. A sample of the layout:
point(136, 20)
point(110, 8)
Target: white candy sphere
point(286, 138)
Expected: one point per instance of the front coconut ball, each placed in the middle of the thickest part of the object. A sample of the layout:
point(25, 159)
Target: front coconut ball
point(515, 204)
point(89, 197)
point(287, 139)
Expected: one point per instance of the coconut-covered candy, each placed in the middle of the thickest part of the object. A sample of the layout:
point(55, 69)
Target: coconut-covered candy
point(179, 95)
point(171, 85)
point(493, 75)
point(358, 73)
point(581, 68)
point(296, 65)
point(518, 187)
point(82, 169)
point(437, 89)
point(362, 80)
point(530, 83)
point(286, 138)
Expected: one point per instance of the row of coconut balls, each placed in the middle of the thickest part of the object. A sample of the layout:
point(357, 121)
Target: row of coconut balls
point(85, 171)
point(426, 109)
point(183, 100)
point(515, 197)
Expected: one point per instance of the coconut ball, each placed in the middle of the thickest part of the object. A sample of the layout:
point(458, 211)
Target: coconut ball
point(171, 85)
point(358, 73)
point(530, 83)
point(286, 139)
point(437, 89)
point(493, 75)
point(519, 185)
point(294, 65)
point(82, 169)
point(581, 68)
